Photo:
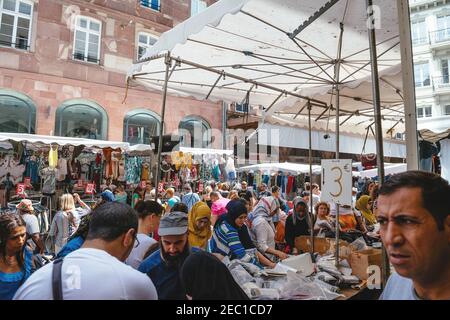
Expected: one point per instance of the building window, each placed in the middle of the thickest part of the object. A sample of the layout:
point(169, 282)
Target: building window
point(422, 74)
point(15, 25)
point(242, 107)
point(447, 110)
point(444, 70)
point(87, 40)
point(443, 25)
point(424, 112)
point(18, 112)
point(139, 126)
point(145, 41)
point(152, 4)
point(81, 118)
point(419, 32)
point(195, 132)
point(197, 6)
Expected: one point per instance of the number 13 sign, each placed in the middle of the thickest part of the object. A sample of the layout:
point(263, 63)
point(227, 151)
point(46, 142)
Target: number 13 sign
point(337, 181)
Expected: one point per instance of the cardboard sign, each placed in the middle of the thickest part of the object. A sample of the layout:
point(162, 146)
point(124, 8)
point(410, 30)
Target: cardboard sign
point(200, 187)
point(20, 189)
point(89, 188)
point(337, 181)
point(27, 181)
point(160, 187)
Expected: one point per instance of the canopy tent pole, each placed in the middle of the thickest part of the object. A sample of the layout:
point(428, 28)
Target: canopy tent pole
point(168, 62)
point(337, 76)
point(311, 214)
point(377, 112)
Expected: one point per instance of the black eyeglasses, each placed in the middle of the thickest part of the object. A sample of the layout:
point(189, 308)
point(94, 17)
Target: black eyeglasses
point(137, 243)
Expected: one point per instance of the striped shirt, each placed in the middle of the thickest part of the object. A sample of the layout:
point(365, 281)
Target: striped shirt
point(225, 241)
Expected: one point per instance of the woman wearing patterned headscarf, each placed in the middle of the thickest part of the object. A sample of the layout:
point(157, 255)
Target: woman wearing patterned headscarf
point(263, 229)
point(199, 220)
point(363, 204)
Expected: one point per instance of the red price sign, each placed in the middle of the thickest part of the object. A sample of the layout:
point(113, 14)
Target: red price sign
point(200, 187)
point(27, 181)
point(20, 189)
point(160, 187)
point(143, 184)
point(89, 188)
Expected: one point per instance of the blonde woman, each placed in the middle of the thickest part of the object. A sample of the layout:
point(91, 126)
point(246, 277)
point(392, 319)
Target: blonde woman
point(64, 222)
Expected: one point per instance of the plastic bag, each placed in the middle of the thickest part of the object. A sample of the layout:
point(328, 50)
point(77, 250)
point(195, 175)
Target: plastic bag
point(241, 275)
point(298, 287)
point(359, 244)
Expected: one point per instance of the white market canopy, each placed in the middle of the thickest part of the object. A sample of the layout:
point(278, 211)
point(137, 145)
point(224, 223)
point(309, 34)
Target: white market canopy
point(203, 151)
point(294, 168)
point(389, 168)
point(62, 141)
point(253, 54)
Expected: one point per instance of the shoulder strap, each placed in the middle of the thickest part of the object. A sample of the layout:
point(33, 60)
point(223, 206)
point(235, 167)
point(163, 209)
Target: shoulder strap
point(56, 279)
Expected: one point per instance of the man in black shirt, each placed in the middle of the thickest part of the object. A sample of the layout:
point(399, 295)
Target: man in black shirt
point(245, 193)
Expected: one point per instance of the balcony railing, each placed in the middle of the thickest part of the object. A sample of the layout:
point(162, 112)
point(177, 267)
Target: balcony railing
point(20, 45)
point(439, 36)
point(441, 82)
point(152, 4)
point(82, 57)
point(420, 41)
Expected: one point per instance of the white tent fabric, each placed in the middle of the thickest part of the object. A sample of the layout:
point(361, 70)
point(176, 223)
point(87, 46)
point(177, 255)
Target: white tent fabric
point(298, 137)
point(294, 168)
point(250, 39)
point(388, 169)
point(201, 151)
point(62, 141)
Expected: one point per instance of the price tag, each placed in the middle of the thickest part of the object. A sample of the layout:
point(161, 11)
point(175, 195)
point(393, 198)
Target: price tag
point(89, 188)
point(337, 181)
point(20, 189)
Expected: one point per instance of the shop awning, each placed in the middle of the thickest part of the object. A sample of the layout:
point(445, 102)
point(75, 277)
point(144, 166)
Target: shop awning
point(62, 141)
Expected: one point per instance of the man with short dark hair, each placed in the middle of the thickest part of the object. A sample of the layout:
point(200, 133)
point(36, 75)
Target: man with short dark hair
point(413, 209)
point(245, 193)
point(96, 270)
point(164, 265)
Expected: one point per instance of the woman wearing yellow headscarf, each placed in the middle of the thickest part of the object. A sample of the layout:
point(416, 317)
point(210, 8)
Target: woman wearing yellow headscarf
point(364, 207)
point(199, 225)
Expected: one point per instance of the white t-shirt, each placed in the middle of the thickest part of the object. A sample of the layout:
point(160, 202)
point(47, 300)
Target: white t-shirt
point(399, 288)
point(137, 254)
point(90, 274)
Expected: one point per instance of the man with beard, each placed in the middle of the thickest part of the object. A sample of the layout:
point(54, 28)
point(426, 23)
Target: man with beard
point(164, 265)
point(413, 210)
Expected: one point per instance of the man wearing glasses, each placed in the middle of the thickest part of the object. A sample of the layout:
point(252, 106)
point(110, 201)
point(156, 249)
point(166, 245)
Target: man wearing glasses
point(96, 270)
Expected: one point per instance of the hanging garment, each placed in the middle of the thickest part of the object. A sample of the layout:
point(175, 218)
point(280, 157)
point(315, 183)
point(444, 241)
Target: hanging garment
point(250, 179)
point(53, 157)
point(265, 179)
point(32, 170)
point(294, 184)
point(290, 184)
point(145, 172)
point(121, 176)
point(194, 172)
point(115, 168)
point(62, 169)
point(49, 184)
point(284, 183)
point(279, 180)
point(107, 153)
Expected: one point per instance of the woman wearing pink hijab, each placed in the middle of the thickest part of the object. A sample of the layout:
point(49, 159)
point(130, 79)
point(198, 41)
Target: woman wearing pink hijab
point(218, 206)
